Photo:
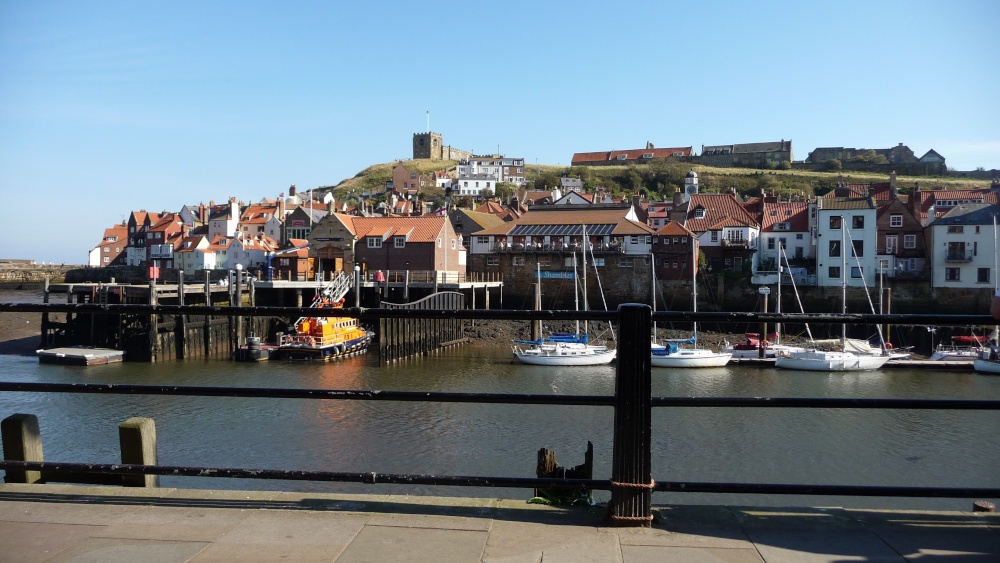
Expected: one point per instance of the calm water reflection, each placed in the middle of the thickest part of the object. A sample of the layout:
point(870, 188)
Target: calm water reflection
point(955, 449)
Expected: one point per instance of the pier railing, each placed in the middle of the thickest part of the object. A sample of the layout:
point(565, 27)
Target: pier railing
point(631, 481)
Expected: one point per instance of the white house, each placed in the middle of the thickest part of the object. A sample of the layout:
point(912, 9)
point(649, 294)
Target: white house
point(845, 247)
point(193, 255)
point(223, 219)
point(962, 247)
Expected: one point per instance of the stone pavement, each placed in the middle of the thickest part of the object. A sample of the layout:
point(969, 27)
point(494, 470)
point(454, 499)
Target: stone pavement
point(107, 524)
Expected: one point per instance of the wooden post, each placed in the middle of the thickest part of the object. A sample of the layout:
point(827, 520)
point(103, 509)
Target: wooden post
point(238, 320)
point(22, 441)
point(631, 471)
point(181, 332)
point(45, 317)
point(153, 330)
point(137, 437)
point(207, 329)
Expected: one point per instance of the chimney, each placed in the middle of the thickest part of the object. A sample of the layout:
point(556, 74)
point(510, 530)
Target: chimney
point(678, 197)
point(281, 209)
point(202, 213)
point(332, 206)
point(291, 191)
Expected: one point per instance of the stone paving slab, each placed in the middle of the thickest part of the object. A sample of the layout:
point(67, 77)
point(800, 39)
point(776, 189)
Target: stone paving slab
point(45, 523)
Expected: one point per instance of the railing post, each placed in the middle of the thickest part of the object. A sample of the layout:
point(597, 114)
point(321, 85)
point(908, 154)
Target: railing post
point(22, 441)
point(137, 437)
point(631, 472)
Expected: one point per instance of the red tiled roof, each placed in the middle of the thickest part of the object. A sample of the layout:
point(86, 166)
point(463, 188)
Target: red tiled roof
point(570, 215)
point(794, 212)
point(717, 208)
point(629, 154)
point(424, 229)
point(674, 228)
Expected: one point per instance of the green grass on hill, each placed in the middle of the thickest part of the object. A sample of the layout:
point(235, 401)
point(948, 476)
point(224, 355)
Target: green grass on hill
point(657, 181)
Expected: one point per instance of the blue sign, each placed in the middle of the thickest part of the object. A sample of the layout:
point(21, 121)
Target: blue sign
point(556, 275)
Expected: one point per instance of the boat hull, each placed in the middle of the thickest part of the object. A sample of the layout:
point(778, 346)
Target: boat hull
point(690, 358)
point(564, 355)
point(987, 366)
point(329, 352)
point(815, 360)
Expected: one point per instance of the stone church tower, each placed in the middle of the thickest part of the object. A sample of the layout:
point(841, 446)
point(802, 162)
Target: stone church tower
point(428, 145)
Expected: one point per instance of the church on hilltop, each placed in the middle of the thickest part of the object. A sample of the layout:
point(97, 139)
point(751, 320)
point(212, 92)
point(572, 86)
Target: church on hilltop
point(431, 145)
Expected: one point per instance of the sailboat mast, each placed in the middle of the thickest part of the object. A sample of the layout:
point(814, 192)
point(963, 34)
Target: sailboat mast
point(576, 294)
point(652, 263)
point(694, 284)
point(843, 279)
point(586, 306)
point(777, 306)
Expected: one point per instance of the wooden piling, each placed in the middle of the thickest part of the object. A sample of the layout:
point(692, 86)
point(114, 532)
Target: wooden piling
point(22, 441)
point(631, 472)
point(181, 332)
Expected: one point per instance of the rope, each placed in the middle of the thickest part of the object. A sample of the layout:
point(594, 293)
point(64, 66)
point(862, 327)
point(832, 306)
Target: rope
point(649, 485)
point(632, 518)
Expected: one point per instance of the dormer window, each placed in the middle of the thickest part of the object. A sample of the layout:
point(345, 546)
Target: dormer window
point(621, 157)
point(647, 155)
point(699, 213)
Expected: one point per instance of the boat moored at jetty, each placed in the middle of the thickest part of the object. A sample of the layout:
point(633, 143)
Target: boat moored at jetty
point(325, 336)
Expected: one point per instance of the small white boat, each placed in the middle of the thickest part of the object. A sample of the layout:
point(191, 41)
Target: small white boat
point(557, 353)
point(750, 349)
point(988, 361)
point(670, 355)
point(821, 360)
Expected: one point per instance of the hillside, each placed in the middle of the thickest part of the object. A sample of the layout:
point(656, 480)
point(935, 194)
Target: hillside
point(657, 181)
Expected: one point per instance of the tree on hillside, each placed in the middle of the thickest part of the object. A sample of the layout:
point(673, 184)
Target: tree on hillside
point(505, 191)
point(832, 164)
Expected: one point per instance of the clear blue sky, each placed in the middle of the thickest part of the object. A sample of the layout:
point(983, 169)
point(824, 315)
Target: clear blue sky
point(106, 107)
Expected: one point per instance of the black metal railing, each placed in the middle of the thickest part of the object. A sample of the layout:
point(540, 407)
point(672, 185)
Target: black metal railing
point(631, 482)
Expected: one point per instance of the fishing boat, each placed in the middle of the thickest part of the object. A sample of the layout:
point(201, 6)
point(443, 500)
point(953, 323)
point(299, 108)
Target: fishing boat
point(563, 349)
point(684, 352)
point(325, 335)
point(847, 354)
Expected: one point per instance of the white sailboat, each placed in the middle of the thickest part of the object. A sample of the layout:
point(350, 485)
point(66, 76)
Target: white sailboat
point(563, 349)
point(771, 344)
point(843, 359)
point(672, 354)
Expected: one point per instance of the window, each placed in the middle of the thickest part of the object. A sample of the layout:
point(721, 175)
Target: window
point(625, 263)
point(784, 243)
point(952, 274)
point(374, 242)
point(715, 236)
point(883, 265)
point(855, 272)
point(517, 261)
point(909, 241)
point(107, 249)
point(798, 236)
point(699, 213)
point(666, 240)
point(439, 243)
point(857, 221)
point(622, 157)
point(834, 248)
point(649, 239)
point(770, 244)
point(107, 259)
point(674, 266)
point(492, 260)
point(895, 221)
point(955, 228)
point(599, 262)
point(858, 247)
point(454, 243)
point(835, 221)
point(983, 275)
point(634, 240)
point(482, 240)
point(399, 242)
point(834, 272)
point(891, 243)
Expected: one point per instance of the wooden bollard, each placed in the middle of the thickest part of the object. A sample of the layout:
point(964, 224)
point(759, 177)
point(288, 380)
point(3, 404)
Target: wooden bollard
point(22, 441)
point(138, 443)
point(631, 471)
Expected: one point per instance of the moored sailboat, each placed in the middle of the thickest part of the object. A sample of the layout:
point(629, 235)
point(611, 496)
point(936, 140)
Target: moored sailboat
point(675, 353)
point(843, 358)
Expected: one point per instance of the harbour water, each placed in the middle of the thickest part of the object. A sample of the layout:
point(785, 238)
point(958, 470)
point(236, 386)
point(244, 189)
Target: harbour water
point(801, 446)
